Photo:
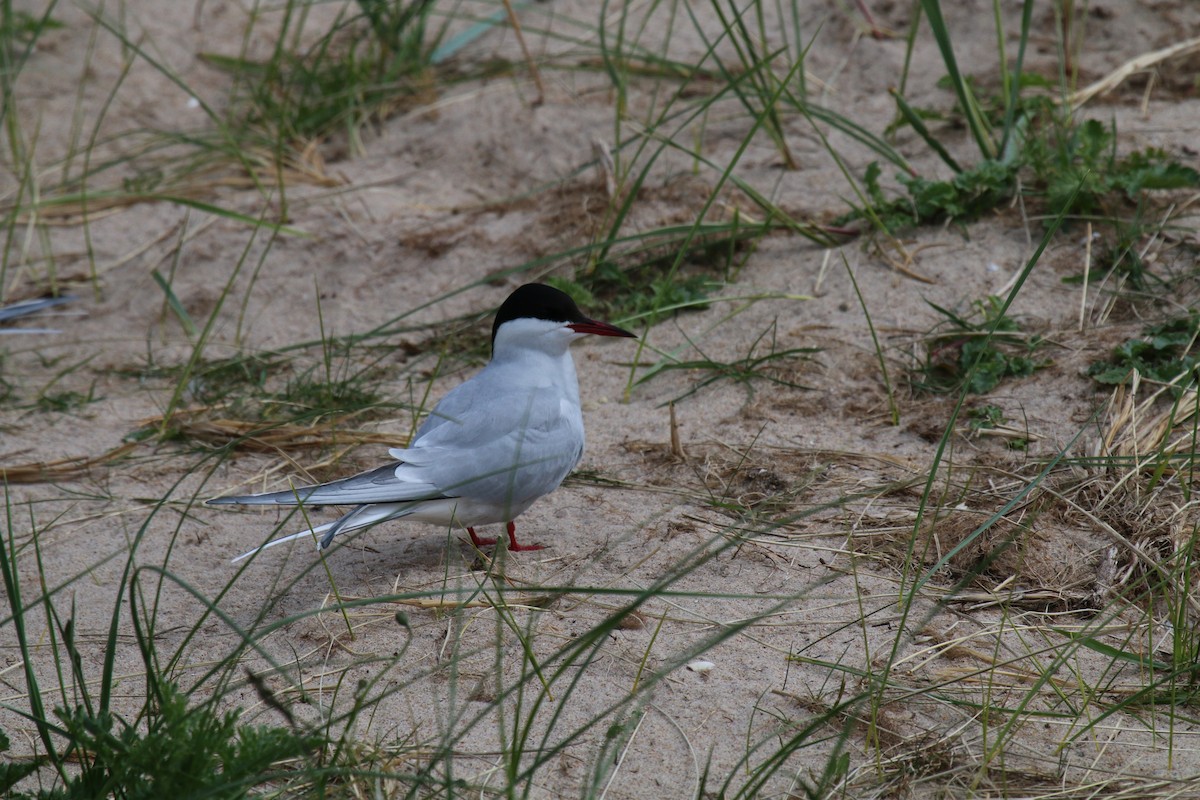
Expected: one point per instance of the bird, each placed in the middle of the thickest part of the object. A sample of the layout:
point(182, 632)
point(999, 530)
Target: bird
point(489, 449)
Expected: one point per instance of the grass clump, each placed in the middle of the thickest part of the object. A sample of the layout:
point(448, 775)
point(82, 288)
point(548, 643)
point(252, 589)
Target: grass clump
point(1026, 142)
point(314, 395)
point(178, 751)
point(964, 356)
point(1070, 166)
point(271, 388)
point(764, 361)
point(652, 300)
point(659, 273)
point(1123, 255)
point(366, 66)
point(66, 401)
point(21, 27)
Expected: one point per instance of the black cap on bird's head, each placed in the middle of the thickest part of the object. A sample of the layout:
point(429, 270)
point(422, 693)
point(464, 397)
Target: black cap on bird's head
point(538, 301)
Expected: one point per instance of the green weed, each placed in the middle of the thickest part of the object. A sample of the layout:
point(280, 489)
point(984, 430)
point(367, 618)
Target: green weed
point(1163, 354)
point(236, 380)
point(183, 750)
point(66, 401)
point(310, 395)
point(976, 355)
point(985, 417)
point(764, 361)
point(644, 278)
point(963, 198)
point(1121, 254)
point(272, 389)
point(1070, 165)
point(991, 418)
point(18, 27)
point(1077, 170)
point(1058, 161)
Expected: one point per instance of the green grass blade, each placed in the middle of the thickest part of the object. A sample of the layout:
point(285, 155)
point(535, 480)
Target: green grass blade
point(966, 97)
point(914, 121)
point(176, 306)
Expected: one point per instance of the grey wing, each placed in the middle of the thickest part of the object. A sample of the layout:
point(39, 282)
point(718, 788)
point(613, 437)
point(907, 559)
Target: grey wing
point(379, 485)
point(516, 445)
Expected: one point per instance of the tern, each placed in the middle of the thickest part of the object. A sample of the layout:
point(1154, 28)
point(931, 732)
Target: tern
point(489, 449)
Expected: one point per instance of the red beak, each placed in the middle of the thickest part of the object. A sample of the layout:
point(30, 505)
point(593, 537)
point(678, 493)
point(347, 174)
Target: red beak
point(599, 329)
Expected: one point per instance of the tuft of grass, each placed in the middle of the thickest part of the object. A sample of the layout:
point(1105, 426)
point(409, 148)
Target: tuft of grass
point(1025, 142)
point(66, 401)
point(1123, 253)
point(268, 391)
point(1065, 165)
point(652, 300)
point(367, 66)
point(764, 361)
point(653, 275)
point(181, 750)
point(313, 395)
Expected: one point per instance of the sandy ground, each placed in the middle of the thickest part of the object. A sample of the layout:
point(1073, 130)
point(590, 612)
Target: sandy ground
point(429, 222)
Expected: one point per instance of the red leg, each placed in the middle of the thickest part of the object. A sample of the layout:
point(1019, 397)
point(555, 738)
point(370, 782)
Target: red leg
point(512, 541)
point(478, 542)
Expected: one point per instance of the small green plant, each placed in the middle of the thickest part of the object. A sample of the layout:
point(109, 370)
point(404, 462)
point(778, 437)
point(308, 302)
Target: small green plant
point(996, 128)
point(1072, 165)
point(643, 279)
point(659, 297)
point(366, 66)
point(965, 357)
point(234, 379)
point(987, 417)
point(21, 27)
point(1080, 161)
point(1121, 255)
point(991, 418)
point(12, 772)
point(961, 198)
point(1162, 354)
point(312, 394)
point(65, 401)
point(179, 751)
point(268, 388)
point(775, 365)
